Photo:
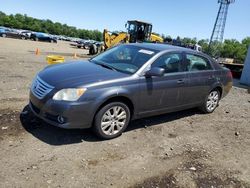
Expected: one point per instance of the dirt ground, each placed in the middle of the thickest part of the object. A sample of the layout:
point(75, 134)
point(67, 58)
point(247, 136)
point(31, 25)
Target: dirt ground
point(184, 149)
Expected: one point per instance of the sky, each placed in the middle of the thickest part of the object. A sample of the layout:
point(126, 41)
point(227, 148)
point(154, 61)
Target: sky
point(184, 18)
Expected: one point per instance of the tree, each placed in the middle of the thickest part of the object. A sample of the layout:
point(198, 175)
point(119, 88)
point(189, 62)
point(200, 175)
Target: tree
point(204, 43)
point(234, 49)
point(229, 49)
point(20, 21)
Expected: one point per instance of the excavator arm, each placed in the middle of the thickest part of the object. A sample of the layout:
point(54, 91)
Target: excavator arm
point(138, 31)
point(156, 38)
point(112, 39)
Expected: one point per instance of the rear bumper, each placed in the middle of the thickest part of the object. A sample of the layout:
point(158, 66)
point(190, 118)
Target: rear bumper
point(68, 115)
point(227, 88)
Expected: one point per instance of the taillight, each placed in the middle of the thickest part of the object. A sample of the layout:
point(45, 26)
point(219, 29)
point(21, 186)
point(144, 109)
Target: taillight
point(229, 74)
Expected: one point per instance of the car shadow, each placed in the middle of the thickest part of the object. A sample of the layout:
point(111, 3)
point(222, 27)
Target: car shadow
point(57, 136)
point(164, 118)
point(53, 135)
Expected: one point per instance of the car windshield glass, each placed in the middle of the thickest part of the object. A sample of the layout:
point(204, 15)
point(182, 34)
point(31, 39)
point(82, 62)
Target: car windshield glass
point(124, 58)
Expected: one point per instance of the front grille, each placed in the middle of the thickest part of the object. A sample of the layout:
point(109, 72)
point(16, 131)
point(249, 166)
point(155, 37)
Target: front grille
point(40, 88)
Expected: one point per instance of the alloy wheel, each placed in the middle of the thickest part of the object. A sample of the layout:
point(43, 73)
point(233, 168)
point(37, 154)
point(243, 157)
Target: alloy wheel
point(113, 120)
point(212, 100)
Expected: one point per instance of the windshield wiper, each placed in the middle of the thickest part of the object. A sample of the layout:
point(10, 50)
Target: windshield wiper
point(106, 66)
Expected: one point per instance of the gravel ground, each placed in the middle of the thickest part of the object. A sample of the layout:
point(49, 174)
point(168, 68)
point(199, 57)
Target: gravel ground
point(184, 149)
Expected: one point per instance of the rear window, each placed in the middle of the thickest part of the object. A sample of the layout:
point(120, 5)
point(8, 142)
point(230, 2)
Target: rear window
point(197, 63)
point(42, 34)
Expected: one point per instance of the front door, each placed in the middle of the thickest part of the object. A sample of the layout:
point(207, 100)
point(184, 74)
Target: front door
point(166, 92)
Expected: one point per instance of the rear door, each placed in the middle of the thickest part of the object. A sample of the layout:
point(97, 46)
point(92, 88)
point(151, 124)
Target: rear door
point(201, 77)
point(8, 33)
point(12, 34)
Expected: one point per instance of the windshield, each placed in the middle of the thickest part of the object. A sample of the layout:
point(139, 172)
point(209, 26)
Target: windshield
point(124, 58)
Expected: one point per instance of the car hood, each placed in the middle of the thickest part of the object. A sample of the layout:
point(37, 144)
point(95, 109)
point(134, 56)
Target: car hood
point(77, 74)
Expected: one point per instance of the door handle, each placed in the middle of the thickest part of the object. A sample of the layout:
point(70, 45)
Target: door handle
point(180, 81)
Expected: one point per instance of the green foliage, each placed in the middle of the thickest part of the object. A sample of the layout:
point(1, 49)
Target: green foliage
point(186, 40)
point(204, 44)
point(229, 49)
point(20, 21)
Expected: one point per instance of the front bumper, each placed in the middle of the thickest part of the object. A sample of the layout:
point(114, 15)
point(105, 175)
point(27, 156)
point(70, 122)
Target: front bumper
point(73, 114)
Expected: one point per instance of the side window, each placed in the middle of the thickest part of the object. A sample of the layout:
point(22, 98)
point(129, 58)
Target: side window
point(197, 63)
point(170, 62)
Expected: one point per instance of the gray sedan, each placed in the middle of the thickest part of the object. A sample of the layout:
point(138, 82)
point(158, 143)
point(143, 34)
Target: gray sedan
point(127, 82)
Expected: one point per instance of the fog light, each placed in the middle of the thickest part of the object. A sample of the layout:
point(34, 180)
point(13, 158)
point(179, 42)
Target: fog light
point(60, 119)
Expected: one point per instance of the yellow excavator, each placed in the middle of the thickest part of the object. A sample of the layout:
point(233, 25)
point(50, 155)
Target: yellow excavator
point(137, 31)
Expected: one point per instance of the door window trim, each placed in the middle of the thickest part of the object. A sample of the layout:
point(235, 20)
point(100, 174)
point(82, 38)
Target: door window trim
point(180, 69)
point(198, 55)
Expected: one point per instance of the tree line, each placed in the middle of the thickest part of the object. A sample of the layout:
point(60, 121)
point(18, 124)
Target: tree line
point(230, 48)
point(19, 21)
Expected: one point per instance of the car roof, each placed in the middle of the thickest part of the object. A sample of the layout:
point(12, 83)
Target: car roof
point(161, 47)
point(138, 21)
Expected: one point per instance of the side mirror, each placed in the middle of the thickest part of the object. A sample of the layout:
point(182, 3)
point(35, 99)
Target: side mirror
point(155, 71)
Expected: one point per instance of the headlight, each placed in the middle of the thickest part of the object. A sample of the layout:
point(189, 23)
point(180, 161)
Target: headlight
point(71, 94)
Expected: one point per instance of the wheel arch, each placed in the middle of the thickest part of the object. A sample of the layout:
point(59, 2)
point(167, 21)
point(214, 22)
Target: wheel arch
point(219, 88)
point(122, 99)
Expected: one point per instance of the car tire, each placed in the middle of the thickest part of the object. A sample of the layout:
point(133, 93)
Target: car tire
point(102, 48)
point(211, 102)
point(36, 39)
point(111, 120)
point(99, 49)
point(93, 49)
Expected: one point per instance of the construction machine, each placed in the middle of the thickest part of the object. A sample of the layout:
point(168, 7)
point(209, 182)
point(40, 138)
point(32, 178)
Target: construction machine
point(137, 31)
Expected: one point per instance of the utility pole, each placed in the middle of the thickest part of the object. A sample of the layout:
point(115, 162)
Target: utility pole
point(219, 27)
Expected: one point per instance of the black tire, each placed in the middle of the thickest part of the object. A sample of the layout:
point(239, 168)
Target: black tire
point(99, 49)
point(204, 108)
point(99, 119)
point(102, 48)
point(93, 49)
